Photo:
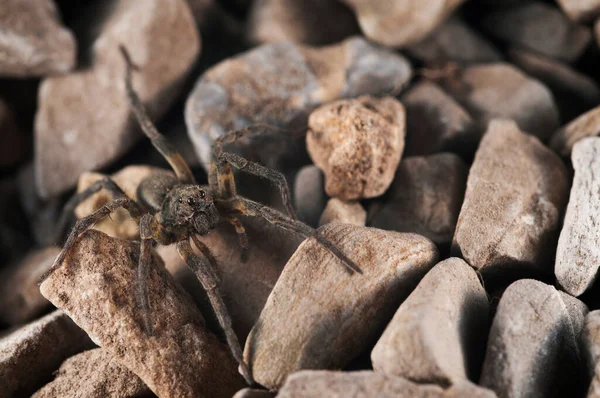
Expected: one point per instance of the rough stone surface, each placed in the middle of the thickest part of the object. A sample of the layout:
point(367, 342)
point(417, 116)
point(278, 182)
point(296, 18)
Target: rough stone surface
point(84, 121)
point(309, 194)
point(33, 41)
point(358, 144)
point(319, 316)
point(590, 346)
point(401, 22)
point(344, 212)
point(532, 348)
point(366, 384)
point(20, 297)
point(29, 355)
point(577, 255)
point(516, 194)
point(96, 288)
point(581, 10)
point(437, 333)
point(586, 125)
point(279, 85)
point(93, 374)
point(425, 197)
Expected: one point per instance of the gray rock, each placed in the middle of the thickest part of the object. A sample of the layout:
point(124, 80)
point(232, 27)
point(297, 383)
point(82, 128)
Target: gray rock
point(581, 10)
point(309, 194)
point(590, 339)
point(344, 212)
point(586, 125)
point(253, 393)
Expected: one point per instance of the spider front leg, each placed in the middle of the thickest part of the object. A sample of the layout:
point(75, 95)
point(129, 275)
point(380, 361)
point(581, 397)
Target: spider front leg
point(242, 237)
point(143, 271)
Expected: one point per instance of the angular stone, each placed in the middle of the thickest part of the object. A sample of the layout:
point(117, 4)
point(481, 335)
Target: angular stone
point(73, 133)
point(516, 193)
point(309, 194)
point(279, 85)
point(577, 256)
point(532, 347)
point(93, 374)
point(97, 288)
point(586, 125)
point(29, 355)
point(344, 212)
point(399, 23)
point(253, 393)
point(20, 297)
point(367, 384)
point(358, 144)
point(581, 10)
point(438, 332)
point(539, 27)
point(319, 316)
point(425, 197)
point(33, 41)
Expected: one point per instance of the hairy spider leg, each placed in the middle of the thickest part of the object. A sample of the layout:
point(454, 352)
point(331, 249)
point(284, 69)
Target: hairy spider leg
point(242, 236)
point(209, 256)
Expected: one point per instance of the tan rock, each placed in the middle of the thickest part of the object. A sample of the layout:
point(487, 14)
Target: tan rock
point(319, 316)
point(344, 212)
point(581, 10)
point(586, 125)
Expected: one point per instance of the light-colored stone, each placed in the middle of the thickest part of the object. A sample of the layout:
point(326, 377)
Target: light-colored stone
point(309, 194)
point(253, 393)
point(586, 125)
point(590, 346)
point(581, 10)
point(319, 316)
point(344, 212)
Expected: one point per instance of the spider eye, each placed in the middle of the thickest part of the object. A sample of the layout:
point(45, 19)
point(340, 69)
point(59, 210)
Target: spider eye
point(190, 201)
point(202, 194)
point(180, 200)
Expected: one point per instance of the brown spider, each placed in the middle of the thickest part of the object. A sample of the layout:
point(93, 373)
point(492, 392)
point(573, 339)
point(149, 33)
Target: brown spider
point(176, 209)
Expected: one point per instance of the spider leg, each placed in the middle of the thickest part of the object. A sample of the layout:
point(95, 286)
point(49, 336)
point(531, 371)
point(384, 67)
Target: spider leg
point(143, 271)
point(209, 256)
point(241, 233)
point(208, 279)
point(160, 142)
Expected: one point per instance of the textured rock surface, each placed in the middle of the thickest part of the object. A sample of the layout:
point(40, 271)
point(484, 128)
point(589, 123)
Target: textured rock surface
point(516, 193)
point(93, 374)
point(83, 120)
point(358, 144)
point(425, 197)
point(439, 330)
point(33, 41)
point(319, 316)
point(581, 10)
point(96, 287)
point(590, 346)
point(577, 255)
point(309, 194)
point(344, 212)
point(29, 355)
point(532, 348)
point(586, 125)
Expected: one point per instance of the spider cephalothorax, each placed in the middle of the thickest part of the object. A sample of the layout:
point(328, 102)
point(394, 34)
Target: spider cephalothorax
point(190, 206)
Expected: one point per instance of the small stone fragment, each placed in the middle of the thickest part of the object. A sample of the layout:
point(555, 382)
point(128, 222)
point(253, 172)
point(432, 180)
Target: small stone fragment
point(586, 125)
point(29, 355)
point(96, 286)
point(399, 23)
point(581, 10)
point(20, 297)
point(438, 332)
point(33, 41)
point(344, 212)
point(93, 374)
point(516, 193)
point(253, 393)
point(532, 347)
point(577, 256)
point(319, 316)
point(358, 144)
point(425, 197)
point(309, 194)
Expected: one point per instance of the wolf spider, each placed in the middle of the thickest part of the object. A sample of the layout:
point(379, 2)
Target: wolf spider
point(175, 209)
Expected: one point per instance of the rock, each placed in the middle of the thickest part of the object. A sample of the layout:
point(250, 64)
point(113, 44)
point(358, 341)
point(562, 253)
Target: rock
point(309, 194)
point(501, 91)
point(577, 258)
point(14, 145)
point(516, 192)
point(279, 85)
point(20, 297)
point(344, 212)
point(33, 40)
point(532, 347)
point(367, 384)
point(425, 197)
point(29, 355)
point(586, 125)
point(438, 332)
point(96, 287)
point(539, 27)
point(358, 144)
point(590, 337)
point(80, 137)
point(319, 316)
point(253, 393)
point(581, 10)
point(401, 22)
point(314, 22)
point(574, 92)
point(93, 374)
point(454, 41)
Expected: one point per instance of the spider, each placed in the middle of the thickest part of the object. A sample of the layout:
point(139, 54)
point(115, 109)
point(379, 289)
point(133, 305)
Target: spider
point(175, 209)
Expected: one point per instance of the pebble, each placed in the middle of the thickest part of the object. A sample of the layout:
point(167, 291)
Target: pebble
point(590, 337)
point(516, 194)
point(310, 198)
point(96, 288)
point(358, 144)
point(29, 355)
point(439, 331)
point(532, 347)
point(586, 125)
point(344, 212)
point(93, 374)
point(425, 197)
point(33, 41)
point(319, 316)
point(83, 120)
point(581, 10)
point(577, 256)
point(253, 393)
